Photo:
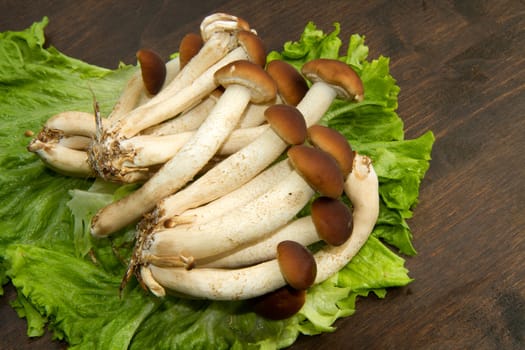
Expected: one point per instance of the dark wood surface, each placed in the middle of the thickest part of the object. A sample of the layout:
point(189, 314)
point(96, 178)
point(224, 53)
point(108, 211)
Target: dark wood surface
point(461, 68)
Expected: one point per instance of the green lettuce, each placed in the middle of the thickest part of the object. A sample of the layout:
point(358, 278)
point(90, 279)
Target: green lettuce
point(69, 282)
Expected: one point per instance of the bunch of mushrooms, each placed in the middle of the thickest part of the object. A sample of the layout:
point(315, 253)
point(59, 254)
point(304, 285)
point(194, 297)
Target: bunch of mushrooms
point(228, 150)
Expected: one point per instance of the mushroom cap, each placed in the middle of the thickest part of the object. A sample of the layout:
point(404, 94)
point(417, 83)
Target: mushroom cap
point(336, 73)
point(250, 75)
point(287, 122)
point(291, 85)
point(189, 46)
point(254, 47)
point(153, 70)
point(318, 168)
point(332, 220)
point(334, 143)
point(279, 304)
point(297, 264)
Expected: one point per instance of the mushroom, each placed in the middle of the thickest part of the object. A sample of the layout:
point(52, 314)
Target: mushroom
point(244, 81)
point(145, 151)
point(189, 47)
point(361, 186)
point(252, 159)
point(153, 70)
point(133, 94)
point(62, 159)
point(326, 177)
point(291, 88)
point(287, 122)
point(297, 264)
point(332, 220)
point(334, 143)
point(72, 123)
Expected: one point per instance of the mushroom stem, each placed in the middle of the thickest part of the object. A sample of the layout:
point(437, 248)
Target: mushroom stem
point(79, 143)
point(74, 123)
point(244, 283)
point(148, 150)
point(62, 159)
point(300, 230)
point(186, 121)
point(253, 189)
point(254, 115)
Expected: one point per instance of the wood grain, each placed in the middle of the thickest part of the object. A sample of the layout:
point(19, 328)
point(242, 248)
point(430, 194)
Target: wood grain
point(461, 69)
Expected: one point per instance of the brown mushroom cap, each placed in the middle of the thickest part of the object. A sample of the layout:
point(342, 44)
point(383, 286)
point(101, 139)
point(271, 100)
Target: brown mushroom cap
point(338, 74)
point(252, 76)
point(297, 264)
point(279, 304)
point(332, 220)
point(291, 85)
point(334, 143)
point(189, 46)
point(288, 122)
point(254, 47)
point(318, 168)
point(153, 70)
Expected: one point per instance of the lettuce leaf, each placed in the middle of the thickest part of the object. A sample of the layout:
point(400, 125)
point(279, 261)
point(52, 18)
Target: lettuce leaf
point(69, 281)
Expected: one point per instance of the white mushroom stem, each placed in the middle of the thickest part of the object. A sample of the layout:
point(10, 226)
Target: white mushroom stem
point(258, 186)
point(80, 143)
point(254, 115)
point(249, 282)
point(241, 226)
point(186, 121)
point(74, 123)
point(300, 230)
point(148, 150)
point(181, 168)
point(243, 165)
point(63, 160)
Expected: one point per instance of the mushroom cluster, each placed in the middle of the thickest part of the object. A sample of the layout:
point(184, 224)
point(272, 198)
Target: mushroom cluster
point(228, 150)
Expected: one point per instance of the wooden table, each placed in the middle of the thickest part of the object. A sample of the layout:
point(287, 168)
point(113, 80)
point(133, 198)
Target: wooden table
point(461, 69)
